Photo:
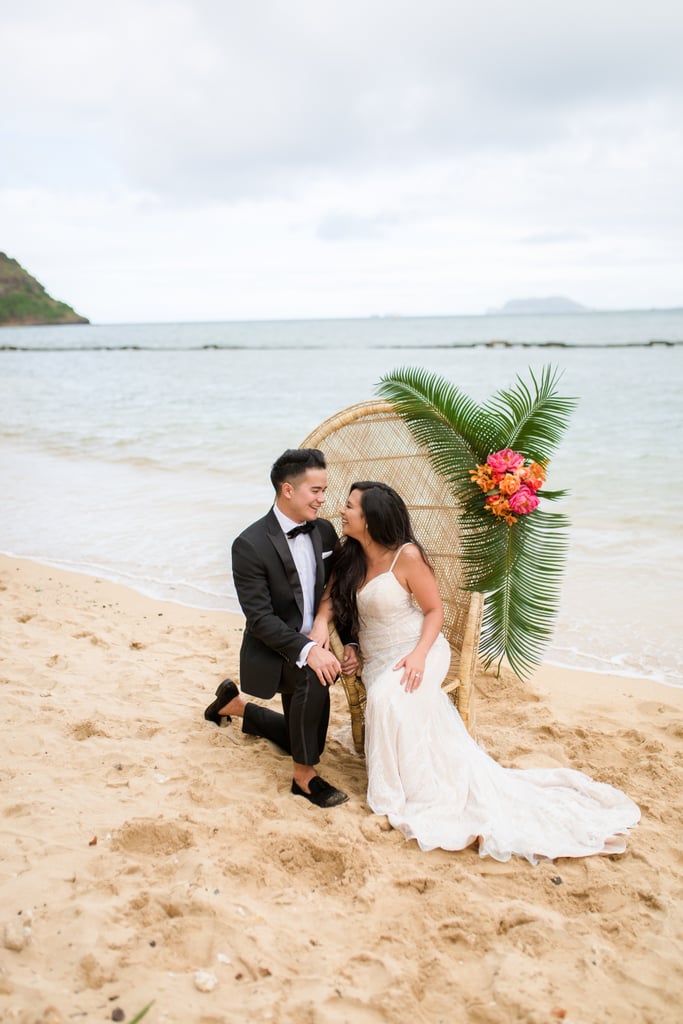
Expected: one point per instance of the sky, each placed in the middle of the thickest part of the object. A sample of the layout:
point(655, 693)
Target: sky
point(192, 160)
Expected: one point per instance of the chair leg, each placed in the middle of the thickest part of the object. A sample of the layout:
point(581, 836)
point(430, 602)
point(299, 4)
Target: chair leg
point(468, 661)
point(355, 695)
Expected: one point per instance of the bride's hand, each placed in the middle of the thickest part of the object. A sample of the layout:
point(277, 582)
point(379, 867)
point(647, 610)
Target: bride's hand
point(350, 662)
point(321, 634)
point(413, 666)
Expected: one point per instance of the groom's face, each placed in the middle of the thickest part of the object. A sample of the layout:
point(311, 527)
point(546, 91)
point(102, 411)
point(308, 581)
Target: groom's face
point(302, 498)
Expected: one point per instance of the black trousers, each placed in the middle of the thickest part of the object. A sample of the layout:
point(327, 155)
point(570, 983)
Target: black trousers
point(302, 728)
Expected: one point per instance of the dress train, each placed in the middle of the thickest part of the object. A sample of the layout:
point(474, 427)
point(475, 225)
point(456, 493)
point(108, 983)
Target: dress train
point(432, 780)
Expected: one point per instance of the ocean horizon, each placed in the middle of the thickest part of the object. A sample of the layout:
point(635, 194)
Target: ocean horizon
point(137, 452)
point(592, 328)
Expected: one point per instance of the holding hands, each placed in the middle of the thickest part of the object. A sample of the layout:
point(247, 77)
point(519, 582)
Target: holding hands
point(324, 664)
point(320, 633)
point(351, 661)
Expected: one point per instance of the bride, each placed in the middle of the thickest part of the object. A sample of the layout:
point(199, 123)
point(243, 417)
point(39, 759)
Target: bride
point(425, 772)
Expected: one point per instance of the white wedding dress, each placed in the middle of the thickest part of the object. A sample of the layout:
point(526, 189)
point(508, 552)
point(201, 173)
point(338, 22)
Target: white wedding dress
point(432, 780)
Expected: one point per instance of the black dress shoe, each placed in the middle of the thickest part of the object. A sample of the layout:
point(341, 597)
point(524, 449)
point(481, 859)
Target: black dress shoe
point(226, 692)
point(322, 793)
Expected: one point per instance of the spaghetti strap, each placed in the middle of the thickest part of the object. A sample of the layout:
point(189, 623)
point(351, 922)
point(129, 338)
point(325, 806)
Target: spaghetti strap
point(391, 567)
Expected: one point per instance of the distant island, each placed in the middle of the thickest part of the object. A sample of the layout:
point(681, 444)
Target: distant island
point(551, 304)
point(23, 300)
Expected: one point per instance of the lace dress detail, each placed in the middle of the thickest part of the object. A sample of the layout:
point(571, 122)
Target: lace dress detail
point(432, 780)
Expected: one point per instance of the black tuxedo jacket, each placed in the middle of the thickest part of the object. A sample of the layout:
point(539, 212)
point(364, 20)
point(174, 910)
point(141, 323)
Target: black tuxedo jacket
point(270, 595)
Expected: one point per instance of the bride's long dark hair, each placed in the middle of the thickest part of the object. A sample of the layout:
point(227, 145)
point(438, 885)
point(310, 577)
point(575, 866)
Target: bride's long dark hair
point(388, 523)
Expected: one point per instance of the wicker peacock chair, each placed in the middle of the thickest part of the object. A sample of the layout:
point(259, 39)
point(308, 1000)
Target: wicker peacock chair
point(370, 441)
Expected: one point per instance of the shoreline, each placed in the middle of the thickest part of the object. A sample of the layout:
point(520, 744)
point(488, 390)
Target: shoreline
point(121, 581)
point(148, 855)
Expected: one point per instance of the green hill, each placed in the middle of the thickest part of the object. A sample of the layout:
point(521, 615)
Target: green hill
point(24, 301)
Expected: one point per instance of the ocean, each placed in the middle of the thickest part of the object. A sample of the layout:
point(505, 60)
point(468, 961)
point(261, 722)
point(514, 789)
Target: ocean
point(137, 452)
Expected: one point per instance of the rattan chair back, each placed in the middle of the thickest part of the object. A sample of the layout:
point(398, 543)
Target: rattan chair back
point(370, 441)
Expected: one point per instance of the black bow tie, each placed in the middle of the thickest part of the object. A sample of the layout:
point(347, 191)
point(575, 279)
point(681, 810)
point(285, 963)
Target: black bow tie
point(303, 528)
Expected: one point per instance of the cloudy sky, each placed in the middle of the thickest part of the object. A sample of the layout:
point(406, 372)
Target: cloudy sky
point(168, 160)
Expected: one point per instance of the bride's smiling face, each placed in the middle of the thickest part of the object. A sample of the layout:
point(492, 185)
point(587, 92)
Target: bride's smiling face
point(352, 518)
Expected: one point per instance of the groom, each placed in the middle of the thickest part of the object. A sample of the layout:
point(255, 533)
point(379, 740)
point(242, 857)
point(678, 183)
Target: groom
point(280, 566)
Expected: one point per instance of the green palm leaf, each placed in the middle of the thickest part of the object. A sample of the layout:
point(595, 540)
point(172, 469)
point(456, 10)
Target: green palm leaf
point(531, 420)
point(138, 1016)
point(518, 567)
point(454, 428)
point(520, 610)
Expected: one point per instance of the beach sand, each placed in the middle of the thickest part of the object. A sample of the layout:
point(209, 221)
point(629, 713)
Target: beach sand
point(147, 855)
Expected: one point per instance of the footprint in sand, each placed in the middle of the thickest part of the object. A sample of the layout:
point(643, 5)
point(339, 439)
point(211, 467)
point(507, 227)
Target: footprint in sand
point(90, 636)
point(84, 730)
point(95, 974)
point(17, 810)
point(150, 836)
point(319, 864)
point(345, 1008)
point(419, 884)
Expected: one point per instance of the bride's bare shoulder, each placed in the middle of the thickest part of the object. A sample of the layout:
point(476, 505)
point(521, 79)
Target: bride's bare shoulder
point(410, 554)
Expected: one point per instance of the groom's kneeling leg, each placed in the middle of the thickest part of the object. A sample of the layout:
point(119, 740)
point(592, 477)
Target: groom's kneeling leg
point(308, 712)
point(269, 724)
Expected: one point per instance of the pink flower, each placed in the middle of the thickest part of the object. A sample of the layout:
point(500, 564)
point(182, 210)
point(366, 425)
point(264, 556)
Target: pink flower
point(523, 501)
point(509, 484)
point(505, 461)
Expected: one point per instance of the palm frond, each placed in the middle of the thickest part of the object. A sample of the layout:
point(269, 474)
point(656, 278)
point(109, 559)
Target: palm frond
point(518, 567)
point(532, 419)
point(425, 397)
point(519, 613)
point(443, 419)
point(553, 495)
point(483, 546)
point(138, 1016)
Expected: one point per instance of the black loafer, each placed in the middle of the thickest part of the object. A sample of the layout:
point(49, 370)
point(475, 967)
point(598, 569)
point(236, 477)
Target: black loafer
point(322, 793)
point(226, 692)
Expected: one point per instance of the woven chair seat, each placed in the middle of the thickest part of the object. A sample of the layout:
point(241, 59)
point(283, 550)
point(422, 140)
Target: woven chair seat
point(370, 441)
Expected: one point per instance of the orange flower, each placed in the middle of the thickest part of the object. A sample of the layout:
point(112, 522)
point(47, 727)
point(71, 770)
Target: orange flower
point(509, 484)
point(483, 477)
point(534, 475)
point(500, 507)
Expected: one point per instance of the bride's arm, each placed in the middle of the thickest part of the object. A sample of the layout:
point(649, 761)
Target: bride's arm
point(321, 623)
point(417, 577)
point(321, 633)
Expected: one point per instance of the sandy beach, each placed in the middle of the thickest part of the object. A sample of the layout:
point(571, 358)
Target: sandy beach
point(149, 856)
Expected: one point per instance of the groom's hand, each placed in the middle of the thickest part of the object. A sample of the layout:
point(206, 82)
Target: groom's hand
point(324, 664)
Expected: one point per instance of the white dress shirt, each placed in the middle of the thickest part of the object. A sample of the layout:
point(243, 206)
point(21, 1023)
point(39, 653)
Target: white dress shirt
point(304, 560)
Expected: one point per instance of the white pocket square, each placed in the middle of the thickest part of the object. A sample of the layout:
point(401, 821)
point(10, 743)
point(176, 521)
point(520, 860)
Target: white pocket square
point(326, 554)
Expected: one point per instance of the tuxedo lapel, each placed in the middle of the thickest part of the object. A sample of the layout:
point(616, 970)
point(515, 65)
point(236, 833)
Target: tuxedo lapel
point(319, 567)
point(279, 542)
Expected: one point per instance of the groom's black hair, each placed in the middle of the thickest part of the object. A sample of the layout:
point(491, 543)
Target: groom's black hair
point(293, 463)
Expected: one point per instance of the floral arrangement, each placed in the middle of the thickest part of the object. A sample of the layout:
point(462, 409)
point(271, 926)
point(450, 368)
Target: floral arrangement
point(510, 483)
point(513, 557)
